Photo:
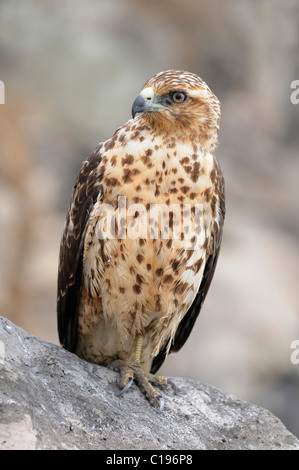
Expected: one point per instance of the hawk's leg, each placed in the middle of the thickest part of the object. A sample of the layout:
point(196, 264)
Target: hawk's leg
point(130, 369)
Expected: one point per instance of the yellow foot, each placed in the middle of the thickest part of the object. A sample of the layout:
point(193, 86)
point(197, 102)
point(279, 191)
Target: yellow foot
point(130, 371)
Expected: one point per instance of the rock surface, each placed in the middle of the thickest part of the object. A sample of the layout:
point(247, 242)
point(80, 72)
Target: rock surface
point(51, 399)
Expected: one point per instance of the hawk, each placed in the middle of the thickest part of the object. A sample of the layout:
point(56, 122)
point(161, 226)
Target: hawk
point(131, 286)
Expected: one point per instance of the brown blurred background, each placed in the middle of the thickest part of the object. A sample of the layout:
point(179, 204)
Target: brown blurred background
point(72, 70)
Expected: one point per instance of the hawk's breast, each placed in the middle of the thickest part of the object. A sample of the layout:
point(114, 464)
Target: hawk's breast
point(149, 235)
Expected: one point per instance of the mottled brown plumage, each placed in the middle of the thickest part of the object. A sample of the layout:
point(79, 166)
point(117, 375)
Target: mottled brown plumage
point(130, 298)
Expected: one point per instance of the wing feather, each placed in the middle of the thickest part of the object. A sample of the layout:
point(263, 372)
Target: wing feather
point(86, 190)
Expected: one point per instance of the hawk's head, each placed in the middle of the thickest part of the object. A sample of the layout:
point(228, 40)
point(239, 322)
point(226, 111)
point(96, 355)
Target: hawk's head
point(181, 102)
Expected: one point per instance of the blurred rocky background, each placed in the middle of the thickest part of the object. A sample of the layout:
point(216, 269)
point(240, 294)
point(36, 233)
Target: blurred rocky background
point(71, 71)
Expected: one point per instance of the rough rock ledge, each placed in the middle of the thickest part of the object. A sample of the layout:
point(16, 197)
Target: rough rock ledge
point(51, 399)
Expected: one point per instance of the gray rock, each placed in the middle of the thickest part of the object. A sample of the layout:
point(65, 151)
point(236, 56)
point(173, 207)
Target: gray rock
point(51, 399)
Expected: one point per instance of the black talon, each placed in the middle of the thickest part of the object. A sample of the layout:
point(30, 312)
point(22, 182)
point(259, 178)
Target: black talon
point(130, 381)
point(161, 402)
point(173, 385)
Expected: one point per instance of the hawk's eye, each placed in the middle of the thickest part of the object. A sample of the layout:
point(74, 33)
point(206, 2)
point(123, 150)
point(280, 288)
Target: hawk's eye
point(178, 97)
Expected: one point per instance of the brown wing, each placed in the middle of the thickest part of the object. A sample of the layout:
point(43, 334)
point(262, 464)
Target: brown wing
point(85, 192)
point(187, 323)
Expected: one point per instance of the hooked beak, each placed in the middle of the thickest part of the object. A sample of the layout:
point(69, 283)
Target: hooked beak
point(146, 102)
